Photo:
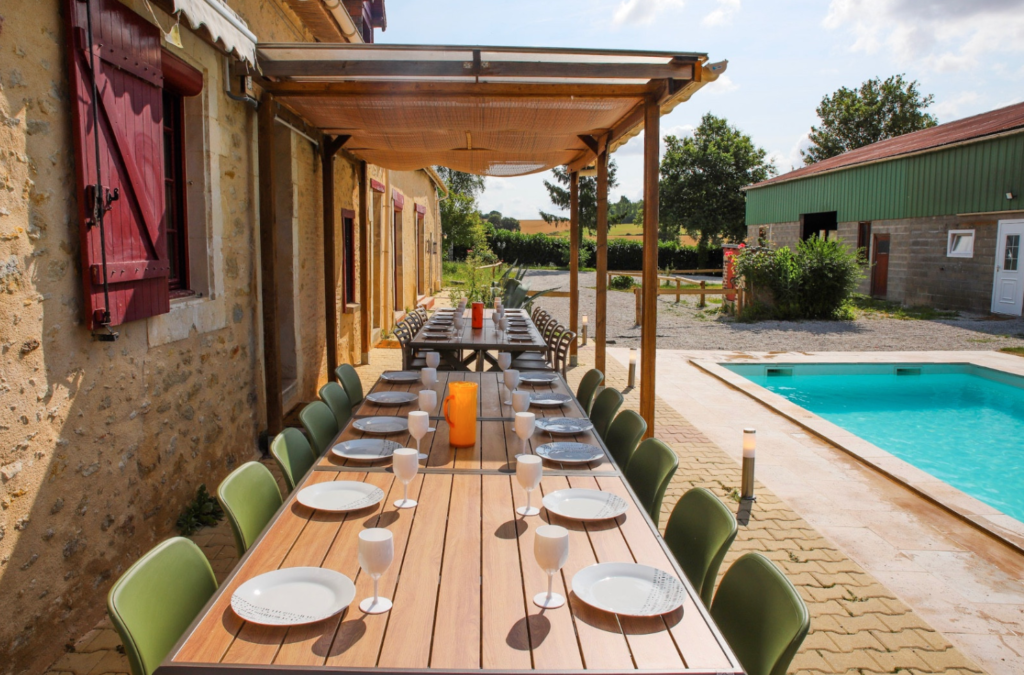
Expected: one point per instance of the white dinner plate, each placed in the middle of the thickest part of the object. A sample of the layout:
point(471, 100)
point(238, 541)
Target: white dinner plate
point(366, 449)
point(583, 504)
point(293, 596)
point(537, 378)
point(381, 425)
point(392, 397)
point(401, 376)
point(519, 331)
point(520, 338)
point(629, 589)
point(564, 425)
point(567, 452)
point(340, 495)
point(549, 399)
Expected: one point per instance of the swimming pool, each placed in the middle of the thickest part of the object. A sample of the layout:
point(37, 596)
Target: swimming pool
point(961, 423)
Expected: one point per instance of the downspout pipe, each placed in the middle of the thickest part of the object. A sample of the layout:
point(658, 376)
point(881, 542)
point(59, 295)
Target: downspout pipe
point(248, 100)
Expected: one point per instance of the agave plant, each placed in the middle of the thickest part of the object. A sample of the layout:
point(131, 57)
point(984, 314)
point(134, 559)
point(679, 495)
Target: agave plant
point(513, 291)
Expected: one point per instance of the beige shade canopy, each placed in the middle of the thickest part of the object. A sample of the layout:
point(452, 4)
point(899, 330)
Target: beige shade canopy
point(497, 111)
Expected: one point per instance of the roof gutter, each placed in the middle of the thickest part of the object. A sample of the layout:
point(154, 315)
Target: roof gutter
point(892, 158)
point(344, 19)
point(437, 181)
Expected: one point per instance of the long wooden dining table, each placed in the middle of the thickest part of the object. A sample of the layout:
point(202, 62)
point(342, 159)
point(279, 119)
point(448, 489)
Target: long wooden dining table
point(464, 572)
point(479, 341)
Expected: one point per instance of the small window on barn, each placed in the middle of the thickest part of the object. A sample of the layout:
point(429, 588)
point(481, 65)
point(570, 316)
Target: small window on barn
point(960, 244)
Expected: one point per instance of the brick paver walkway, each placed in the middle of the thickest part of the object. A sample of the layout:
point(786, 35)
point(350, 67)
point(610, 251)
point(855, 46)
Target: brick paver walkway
point(858, 626)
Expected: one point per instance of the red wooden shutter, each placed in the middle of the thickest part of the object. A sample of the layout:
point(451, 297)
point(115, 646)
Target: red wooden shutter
point(131, 157)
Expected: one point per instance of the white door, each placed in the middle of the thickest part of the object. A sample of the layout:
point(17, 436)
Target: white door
point(1008, 287)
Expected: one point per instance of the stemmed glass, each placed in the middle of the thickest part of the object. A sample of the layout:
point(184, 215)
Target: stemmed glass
point(419, 423)
point(496, 318)
point(406, 464)
point(428, 376)
point(551, 549)
point(504, 360)
point(520, 401)
point(433, 360)
point(529, 471)
point(376, 551)
point(511, 380)
point(503, 324)
point(428, 404)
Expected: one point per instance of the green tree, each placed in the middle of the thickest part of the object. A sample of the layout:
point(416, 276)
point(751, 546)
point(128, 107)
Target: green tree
point(500, 222)
point(702, 177)
point(558, 192)
point(853, 118)
point(625, 211)
point(460, 217)
point(459, 181)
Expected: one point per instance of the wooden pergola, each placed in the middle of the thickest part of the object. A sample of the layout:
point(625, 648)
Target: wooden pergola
point(497, 111)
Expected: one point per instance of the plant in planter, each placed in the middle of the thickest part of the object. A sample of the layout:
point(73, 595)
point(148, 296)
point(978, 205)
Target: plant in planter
point(621, 283)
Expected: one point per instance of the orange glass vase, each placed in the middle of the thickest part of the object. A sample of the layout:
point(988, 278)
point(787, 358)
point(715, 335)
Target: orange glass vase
point(478, 315)
point(460, 413)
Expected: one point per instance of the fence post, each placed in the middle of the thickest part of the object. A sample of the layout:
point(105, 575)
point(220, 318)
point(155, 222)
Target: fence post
point(678, 281)
point(703, 285)
point(639, 304)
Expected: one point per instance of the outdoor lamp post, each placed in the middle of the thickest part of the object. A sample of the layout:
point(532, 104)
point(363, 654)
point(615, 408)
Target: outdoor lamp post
point(584, 330)
point(632, 367)
point(749, 448)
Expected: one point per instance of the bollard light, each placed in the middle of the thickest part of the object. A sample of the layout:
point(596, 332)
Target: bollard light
point(584, 329)
point(632, 368)
point(749, 449)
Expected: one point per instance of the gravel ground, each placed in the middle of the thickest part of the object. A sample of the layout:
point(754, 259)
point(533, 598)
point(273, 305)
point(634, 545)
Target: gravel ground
point(685, 326)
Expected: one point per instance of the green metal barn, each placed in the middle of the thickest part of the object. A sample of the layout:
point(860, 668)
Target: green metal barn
point(938, 211)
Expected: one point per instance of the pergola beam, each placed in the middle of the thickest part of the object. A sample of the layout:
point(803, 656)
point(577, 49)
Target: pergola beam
point(454, 89)
point(364, 262)
point(268, 269)
point(574, 261)
point(601, 310)
point(315, 67)
point(331, 146)
point(649, 325)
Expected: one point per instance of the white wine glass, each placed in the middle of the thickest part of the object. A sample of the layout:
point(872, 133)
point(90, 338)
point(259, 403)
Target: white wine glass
point(428, 376)
point(511, 381)
point(405, 462)
point(496, 318)
point(504, 360)
point(503, 324)
point(428, 404)
point(520, 401)
point(433, 360)
point(529, 471)
point(376, 551)
point(419, 424)
point(551, 549)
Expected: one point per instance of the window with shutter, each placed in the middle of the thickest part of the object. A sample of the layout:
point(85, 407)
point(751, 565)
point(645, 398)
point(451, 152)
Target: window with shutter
point(126, 145)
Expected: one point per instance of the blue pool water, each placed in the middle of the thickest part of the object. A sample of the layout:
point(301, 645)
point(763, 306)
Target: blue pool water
point(960, 423)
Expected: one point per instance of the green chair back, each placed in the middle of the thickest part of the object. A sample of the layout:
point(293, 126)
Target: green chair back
point(649, 471)
point(337, 400)
point(153, 603)
point(588, 387)
point(294, 455)
point(623, 435)
point(321, 425)
point(761, 615)
point(250, 497)
point(349, 379)
point(699, 533)
point(603, 411)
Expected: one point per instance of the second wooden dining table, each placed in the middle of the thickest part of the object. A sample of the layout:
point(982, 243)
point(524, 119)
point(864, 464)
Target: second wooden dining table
point(464, 572)
point(481, 342)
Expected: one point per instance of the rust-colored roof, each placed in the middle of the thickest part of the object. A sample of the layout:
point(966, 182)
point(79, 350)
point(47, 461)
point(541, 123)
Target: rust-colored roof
point(978, 126)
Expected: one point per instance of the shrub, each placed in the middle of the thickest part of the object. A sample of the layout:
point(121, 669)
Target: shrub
point(815, 282)
point(621, 283)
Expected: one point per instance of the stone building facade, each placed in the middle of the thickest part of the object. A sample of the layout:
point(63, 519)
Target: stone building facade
point(103, 443)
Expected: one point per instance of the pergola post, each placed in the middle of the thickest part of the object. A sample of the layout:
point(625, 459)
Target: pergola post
point(574, 261)
point(649, 325)
point(601, 310)
point(268, 271)
point(364, 261)
point(330, 148)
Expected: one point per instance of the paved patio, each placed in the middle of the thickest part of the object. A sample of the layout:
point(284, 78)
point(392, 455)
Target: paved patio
point(859, 626)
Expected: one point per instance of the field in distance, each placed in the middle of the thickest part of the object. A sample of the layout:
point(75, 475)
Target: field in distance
point(623, 231)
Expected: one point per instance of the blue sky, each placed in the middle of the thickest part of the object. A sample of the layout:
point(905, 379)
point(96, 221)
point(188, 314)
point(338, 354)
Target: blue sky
point(784, 55)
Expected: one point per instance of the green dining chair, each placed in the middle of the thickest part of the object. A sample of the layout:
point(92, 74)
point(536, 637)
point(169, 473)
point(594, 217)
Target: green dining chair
point(337, 400)
point(649, 471)
point(588, 388)
point(699, 533)
point(349, 379)
point(321, 425)
point(294, 455)
point(603, 411)
point(623, 435)
point(156, 599)
point(250, 497)
point(760, 615)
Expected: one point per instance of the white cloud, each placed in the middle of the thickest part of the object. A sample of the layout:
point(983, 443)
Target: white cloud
point(948, 109)
point(722, 85)
point(788, 161)
point(942, 35)
point(642, 11)
point(635, 145)
point(723, 14)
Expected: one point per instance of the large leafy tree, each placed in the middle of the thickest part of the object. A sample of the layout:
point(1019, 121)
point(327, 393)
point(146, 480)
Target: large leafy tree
point(702, 177)
point(558, 192)
point(853, 118)
point(460, 217)
point(501, 222)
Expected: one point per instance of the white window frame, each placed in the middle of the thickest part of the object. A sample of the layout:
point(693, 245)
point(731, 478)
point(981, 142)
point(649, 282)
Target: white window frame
point(950, 253)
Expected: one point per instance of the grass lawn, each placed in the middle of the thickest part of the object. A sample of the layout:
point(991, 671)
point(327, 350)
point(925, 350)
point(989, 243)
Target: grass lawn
point(869, 307)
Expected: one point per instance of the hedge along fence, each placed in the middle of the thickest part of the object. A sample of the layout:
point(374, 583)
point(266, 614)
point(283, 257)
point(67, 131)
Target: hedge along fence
point(540, 250)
